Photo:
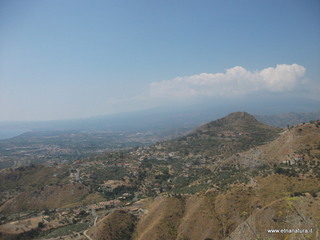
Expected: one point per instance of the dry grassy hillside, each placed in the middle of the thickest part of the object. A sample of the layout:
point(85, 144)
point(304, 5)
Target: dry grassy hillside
point(118, 225)
point(243, 212)
point(162, 220)
point(49, 197)
point(222, 216)
point(291, 213)
point(294, 145)
point(31, 177)
point(301, 140)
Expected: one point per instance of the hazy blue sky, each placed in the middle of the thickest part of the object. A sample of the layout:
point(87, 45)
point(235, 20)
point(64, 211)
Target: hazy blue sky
point(79, 58)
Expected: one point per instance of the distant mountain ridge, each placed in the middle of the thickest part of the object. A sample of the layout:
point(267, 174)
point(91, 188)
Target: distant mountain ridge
point(285, 119)
point(155, 120)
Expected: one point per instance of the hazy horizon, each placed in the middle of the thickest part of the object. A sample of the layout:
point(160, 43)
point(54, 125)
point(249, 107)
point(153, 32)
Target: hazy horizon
point(79, 59)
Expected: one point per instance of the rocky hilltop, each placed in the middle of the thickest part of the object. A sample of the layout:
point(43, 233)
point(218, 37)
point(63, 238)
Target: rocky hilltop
point(233, 178)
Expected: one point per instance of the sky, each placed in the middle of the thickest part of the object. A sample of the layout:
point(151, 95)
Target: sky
point(77, 58)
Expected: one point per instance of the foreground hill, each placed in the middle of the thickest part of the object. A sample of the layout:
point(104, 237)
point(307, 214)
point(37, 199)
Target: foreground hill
point(243, 212)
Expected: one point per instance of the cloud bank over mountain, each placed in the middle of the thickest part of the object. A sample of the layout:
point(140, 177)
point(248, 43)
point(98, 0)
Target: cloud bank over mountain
point(282, 88)
point(235, 81)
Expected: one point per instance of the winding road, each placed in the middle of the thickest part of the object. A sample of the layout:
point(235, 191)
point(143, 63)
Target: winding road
point(87, 236)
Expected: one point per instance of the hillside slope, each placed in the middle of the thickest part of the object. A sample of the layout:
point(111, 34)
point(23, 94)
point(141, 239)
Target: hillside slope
point(294, 216)
point(229, 179)
point(237, 131)
point(243, 212)
point(295, 147)
point(47, 198)
point(118, 225)
point(281, 191)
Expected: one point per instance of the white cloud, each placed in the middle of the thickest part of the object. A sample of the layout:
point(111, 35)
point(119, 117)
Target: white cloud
point(235, 81)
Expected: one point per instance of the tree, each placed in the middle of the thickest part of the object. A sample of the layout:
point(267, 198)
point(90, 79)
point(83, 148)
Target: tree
point(41, 225)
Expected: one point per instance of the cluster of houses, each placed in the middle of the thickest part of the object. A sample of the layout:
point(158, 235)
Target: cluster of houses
point(294, 159)
point(156, 151)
